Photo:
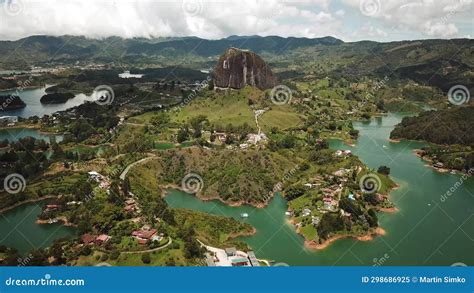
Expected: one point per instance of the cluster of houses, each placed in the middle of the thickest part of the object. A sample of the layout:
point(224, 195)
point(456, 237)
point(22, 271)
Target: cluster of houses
point(147, 234)
point(251, 140)
point(331, 196)
point(131, 206)
point(254, 140)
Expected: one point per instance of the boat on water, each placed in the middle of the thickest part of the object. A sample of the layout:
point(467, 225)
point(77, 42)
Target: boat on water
point(453, 172)
point(244, 215)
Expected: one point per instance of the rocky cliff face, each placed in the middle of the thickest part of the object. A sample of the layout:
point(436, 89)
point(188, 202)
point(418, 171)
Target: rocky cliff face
point(238, 68)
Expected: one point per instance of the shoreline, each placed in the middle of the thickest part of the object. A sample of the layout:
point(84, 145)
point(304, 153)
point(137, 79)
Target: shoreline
point(62, 219)
point(252, 232)
point(417, 153)
point(169, 187)
point(389, 210)
point(31, 87)
point(30, 126)
point(311, 245)
point(26, 202)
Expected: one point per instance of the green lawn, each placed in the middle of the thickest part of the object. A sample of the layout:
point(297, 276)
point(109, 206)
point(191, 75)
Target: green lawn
point(282, 117)
point(220, 109)
point(309, 232)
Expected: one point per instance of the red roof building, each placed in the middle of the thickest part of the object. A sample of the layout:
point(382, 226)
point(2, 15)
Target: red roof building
point(102, 239)
point(87, 239)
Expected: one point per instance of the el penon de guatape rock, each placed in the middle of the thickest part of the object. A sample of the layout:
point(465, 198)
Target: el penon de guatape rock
point(238, 68)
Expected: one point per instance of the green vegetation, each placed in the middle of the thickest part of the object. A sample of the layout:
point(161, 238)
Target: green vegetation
point(451, 126)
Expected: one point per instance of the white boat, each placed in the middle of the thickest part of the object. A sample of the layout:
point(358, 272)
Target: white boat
point(244, 215)
point(453, 172)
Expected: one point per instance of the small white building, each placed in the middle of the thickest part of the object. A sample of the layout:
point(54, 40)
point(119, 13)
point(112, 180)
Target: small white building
point(127, 74)
point(95, 176)
point(306, 212)
point(8, 119)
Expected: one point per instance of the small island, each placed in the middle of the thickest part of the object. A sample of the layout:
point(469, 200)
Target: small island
point(11, 102)
point(56, 98)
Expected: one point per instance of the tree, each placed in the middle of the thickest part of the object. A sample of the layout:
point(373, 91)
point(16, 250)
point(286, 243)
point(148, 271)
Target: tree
point(384, 170)
point(146, 259)
point(126, 186)
point(182, 135)
point(160, 120)
point(294, 191)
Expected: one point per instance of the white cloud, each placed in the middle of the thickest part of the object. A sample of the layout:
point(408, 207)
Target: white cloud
point(340, 12)
point(369, 32)
point(221, 18)
point(429, 17)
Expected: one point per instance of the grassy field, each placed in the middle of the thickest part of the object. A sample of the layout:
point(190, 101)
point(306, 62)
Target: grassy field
point(282, 117)
point(220, 109)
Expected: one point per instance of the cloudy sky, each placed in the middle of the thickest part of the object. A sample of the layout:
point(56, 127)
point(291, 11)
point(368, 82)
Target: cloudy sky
point(349, 20)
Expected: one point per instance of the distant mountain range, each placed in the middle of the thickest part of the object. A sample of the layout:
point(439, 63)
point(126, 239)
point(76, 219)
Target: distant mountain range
point(436, 62)
point(39, 49)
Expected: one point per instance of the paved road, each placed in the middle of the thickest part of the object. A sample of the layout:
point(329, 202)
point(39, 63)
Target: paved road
point(125, 172)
